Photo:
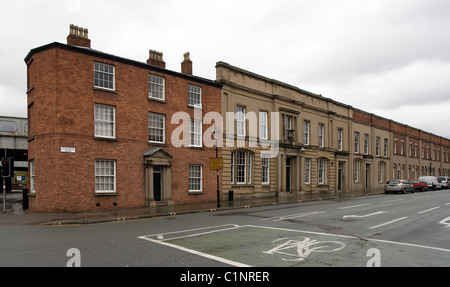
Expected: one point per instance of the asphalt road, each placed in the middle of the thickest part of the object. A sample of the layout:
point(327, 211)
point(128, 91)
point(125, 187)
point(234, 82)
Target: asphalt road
point(381, 230)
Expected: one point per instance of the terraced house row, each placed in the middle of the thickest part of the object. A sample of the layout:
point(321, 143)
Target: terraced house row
point(108, 132)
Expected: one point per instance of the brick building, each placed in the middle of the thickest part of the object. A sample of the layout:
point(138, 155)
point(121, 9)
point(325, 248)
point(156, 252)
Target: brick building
point(105, 131)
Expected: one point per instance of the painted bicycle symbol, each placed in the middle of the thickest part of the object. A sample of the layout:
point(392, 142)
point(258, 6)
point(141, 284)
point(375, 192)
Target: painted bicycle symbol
point(299, 249)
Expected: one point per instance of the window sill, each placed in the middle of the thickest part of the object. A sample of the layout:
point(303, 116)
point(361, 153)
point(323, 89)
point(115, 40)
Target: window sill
point(163, 101)
point(105, 139)
point(105, 90)
point(195, 192)
point(105, 193)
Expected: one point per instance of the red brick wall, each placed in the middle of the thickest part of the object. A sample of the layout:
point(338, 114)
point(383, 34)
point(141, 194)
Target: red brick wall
point(61, 114)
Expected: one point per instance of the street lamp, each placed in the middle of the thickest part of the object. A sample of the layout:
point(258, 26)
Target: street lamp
point(216, 131)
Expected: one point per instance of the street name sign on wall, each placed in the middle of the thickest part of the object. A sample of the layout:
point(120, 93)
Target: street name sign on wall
point(67, 149)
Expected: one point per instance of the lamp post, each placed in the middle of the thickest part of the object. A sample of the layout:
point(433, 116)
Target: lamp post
point(215, 132)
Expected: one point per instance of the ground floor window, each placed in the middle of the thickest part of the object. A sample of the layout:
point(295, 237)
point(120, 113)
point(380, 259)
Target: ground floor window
point(242, 167)
point(105, 176)
point(307, 170)
point(322, 165)
point(195, 178)
point(265, 169)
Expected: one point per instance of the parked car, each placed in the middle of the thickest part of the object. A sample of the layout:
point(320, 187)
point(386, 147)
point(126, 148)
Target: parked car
point(398, 185)
point(419, 184)
point(445, 180)
point(432, 182)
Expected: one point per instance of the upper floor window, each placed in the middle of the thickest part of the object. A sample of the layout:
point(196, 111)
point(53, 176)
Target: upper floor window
point(340, 138)
point(290, 130)
point(240, 120)
point(104, 76)
point(306, 132)
point(195, 96)
point(105, 121)
point(356, 142)
point(366, 144)
point(321, 135)
point(156, 87)
point(195, 133)
point(156, 128)
point(263, 125)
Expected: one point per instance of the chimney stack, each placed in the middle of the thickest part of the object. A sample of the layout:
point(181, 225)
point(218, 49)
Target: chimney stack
point(78, 37)
point(186, 66)
point(156, 59)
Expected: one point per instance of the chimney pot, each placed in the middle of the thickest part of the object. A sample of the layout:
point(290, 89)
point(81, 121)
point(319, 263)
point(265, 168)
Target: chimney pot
point(156, 59)
point(78, 36)
point(186, 65)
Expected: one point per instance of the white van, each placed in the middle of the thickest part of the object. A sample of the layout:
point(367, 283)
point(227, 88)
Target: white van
point(432, 182)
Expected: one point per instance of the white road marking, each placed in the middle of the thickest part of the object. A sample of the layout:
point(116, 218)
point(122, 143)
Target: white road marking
point(347, 207)
point(363, 216)
point(195, 252)
point(392, 200)
point(445, 221)
point(429, 210)
point(387, 223)
point(354, 237)
point(286, 217)
point(420, 197)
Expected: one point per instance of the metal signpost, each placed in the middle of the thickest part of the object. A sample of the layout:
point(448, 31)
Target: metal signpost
point(216, 164)
point(7, 171)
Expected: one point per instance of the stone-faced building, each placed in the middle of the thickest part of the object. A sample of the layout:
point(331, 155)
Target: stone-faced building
point(281, 140)
point(108, 132)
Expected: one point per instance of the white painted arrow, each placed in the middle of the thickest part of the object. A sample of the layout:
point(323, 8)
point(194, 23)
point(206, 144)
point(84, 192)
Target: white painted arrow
point(362, 216)
point(446, 221)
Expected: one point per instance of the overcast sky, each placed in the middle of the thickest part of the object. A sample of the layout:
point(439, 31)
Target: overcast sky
point(388, 57)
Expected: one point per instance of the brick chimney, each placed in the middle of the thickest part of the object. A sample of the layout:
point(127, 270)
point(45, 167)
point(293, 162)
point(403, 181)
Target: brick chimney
point(156, 59)
point(186, 66)
point(78, 37)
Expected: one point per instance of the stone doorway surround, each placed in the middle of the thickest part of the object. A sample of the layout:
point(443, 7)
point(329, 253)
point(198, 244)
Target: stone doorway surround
point(158, 157)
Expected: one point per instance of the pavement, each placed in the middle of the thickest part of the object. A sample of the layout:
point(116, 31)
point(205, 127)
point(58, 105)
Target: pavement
point(16, 216)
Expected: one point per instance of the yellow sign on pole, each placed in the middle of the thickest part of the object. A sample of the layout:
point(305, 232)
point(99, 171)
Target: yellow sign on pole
point(216, 163)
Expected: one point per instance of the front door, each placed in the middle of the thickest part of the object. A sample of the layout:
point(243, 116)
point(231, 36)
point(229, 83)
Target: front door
point(340, 170)
point(288, 174)
point(157, 183)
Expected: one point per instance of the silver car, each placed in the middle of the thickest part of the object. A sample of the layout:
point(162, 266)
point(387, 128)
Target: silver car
point(398, 185)
point(445, 180)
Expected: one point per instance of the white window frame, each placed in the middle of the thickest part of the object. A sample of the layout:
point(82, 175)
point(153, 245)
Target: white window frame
point(240, 121)
point(356, 170)
point(104, 76)
point(263, 125)
point(197, 176)
point(356, 138)
point(195, 133)
point(366, 144)
point(322, 170)
point(104, 121)
point(241, 167)
point(377, 146)
point(156, 118)
point(100, 172)
point(306, 127)
point(386, 145)
point(195, 96)
point(307, 171)
point(156, 87)
point(340, 139)
point(265, 164)
point(321, 135)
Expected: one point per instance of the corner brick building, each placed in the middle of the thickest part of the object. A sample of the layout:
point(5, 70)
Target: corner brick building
point(101, 133)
